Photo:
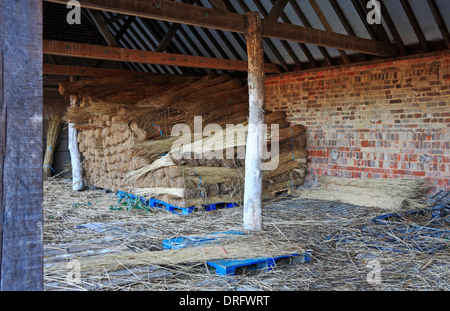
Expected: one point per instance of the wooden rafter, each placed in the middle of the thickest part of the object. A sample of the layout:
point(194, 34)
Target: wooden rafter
point(170, 34)
point(168, 37)
point(124, 41)
point(306, 22)
point(218, 5)
point(381, 34)
point(277, 10)
point(285, 44)
point(239, 37)
point(415, 24)
point(211, 18)
point(393, 29)
point(124, 27)
point(440, 21)
point(327, 26)
point(337, 9)
point(302, 46)
point(267, 41)
point(136, 56)
point(62, 70)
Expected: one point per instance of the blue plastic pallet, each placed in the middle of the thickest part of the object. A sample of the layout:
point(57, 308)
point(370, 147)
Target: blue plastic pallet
point(172, 208)
point(229, 266)
point(209, 238)
point(434, 212)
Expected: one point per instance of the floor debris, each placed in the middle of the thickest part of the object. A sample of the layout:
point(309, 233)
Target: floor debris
point(334, 265)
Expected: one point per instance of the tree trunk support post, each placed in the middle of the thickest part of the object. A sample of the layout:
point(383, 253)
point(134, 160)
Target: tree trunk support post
point(255, 137)
point(75, 155)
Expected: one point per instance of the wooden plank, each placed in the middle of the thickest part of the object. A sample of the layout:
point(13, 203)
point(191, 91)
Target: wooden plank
point(21, 146)
point(146, 57)
point(63, 70)
point(327, 39)
point(217, 19)
point(255, 136)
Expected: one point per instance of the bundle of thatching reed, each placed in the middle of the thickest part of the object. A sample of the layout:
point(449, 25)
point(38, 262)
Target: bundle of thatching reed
point(243, 248)
point(52, 136)
point(126, 138)
point(390, 194)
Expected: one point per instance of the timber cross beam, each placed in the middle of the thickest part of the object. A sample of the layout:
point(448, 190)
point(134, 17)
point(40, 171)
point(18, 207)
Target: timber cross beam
point(194, 15)
point(71, 49)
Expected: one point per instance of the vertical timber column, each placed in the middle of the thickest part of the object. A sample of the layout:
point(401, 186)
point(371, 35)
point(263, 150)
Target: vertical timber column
point(255, 136)
point(21, 146)
point(75, 155)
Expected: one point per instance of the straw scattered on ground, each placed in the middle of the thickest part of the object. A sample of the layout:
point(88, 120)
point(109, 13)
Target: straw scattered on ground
point(335, 265)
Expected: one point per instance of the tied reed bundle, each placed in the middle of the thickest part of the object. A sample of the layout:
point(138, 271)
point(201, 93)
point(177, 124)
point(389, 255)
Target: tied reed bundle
point(388, 194)
point(245, 248)
point(130, 143)
point(53, 131)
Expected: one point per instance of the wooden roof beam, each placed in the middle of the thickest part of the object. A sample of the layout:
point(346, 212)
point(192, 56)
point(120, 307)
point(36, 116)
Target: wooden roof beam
point(277, 10)
point(71, 49)
point(415, 24)
point(62, 70)
point(327, 26)
point(440, 21)
point(211, 18)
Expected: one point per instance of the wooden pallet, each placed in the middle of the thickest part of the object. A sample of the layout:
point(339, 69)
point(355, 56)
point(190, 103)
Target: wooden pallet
point(229, 266)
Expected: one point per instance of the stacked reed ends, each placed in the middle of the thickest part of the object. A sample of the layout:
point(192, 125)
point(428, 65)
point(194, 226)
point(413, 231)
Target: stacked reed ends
point(129, 127)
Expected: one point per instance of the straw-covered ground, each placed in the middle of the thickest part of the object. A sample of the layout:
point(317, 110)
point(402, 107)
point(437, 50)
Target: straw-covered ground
point(308, 224)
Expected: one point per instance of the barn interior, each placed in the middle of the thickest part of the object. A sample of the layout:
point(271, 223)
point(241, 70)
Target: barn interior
point(358, 198)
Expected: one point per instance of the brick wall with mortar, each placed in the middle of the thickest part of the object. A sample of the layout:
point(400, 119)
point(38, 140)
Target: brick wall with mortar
point(382, 119)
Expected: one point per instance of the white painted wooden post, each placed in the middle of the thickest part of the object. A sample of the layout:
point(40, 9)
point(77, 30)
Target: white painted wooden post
point(255, 136)
point(75, 155)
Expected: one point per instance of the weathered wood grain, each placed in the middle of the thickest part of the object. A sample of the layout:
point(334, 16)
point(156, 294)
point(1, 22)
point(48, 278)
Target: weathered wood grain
point(21, 145)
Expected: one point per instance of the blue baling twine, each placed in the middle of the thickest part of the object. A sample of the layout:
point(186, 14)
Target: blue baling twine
point(160, 132)
point(46, 165)
point(200, 184)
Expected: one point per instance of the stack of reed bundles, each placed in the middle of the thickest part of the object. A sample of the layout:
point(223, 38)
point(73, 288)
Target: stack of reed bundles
point(125, 126)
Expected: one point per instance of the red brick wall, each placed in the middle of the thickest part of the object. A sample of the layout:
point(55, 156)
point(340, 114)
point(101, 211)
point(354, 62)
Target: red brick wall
point(384, 119)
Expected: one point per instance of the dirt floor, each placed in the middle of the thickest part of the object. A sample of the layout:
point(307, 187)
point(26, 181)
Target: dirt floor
point(349, 252)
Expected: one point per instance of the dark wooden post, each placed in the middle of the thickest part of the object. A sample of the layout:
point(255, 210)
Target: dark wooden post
point(21, 145)
point(255, 137)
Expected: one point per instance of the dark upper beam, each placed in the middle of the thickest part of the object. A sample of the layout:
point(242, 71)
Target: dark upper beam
point(440, 21)
point(306, 22)
point(62, 70)
point(210, 18)
point(415, 24)
point(277, 10)
point(327, 26)
point(393, 29)
point(71, 49)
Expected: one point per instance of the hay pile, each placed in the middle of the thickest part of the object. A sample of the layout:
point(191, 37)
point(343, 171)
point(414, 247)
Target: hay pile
point(52, 136)
point(388, 194)
point(126, 138)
